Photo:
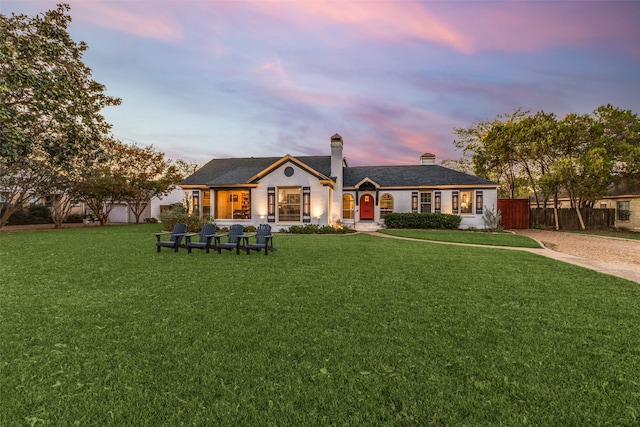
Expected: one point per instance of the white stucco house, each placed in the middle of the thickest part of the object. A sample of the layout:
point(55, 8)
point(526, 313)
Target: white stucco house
point(325, 190)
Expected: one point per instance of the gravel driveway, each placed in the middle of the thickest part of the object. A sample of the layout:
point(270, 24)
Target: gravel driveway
point(611, 250)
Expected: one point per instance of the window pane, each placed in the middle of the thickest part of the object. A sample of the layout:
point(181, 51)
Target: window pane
point(386, 205)
point(347, 206)
point(466, 202)
point(623, 211)
point(289, 204)
point(233, 204)
point(425, 202)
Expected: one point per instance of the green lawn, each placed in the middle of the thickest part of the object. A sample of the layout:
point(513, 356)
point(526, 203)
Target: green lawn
point(96, 328)
point(463, 236)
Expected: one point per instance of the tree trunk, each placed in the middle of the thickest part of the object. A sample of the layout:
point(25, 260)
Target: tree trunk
point(555, 212)
point(60, 208)
point(4, 219)
point(582, 227)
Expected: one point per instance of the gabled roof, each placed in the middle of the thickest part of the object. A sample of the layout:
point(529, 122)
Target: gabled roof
point(235, 171)
point(411, 176)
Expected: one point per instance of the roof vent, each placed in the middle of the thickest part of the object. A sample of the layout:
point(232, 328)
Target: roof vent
point(428, 159)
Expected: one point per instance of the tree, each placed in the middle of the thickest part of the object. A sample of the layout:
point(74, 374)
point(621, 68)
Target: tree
point(103, 184)
point(49, 104)
point(148, 175)
point(580, 155)
point(619, 133)
point(493, 148)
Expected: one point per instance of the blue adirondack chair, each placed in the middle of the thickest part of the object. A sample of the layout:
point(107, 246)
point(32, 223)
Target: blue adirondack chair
point(264, 240)
point(207, 233)
point(179, 230)
point(234, 238)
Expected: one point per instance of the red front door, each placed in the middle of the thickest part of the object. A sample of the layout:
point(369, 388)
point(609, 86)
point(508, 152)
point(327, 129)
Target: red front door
point(366, 207)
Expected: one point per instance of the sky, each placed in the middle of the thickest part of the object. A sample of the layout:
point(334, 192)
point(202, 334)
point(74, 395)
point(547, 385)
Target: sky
point(395, 78)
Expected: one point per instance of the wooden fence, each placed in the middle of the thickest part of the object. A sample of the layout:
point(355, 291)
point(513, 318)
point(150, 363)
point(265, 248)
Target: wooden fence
point(568, 218)
point(515, 213)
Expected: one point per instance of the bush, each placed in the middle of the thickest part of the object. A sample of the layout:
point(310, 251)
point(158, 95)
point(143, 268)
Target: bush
point(36, 214)
point(314, 229)
point(422, 220)
point(176, 216)
point(73, 219)
point(491, 219)
point(151, 220)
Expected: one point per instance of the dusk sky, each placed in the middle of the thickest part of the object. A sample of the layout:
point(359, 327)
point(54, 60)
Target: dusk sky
point(204, 79)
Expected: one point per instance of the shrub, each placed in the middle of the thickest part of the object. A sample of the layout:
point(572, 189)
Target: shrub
point(151, 220)
point(491, 219)
point(36, 214)
point(194, 223)
point(73, 219)
point(250, 229)
point(422, 220)
point(314, 229)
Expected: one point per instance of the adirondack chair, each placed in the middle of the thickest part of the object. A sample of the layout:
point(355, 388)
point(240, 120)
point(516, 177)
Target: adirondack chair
point(179, 230)
point(264, 240)
point(207, 233)
point(234, 238)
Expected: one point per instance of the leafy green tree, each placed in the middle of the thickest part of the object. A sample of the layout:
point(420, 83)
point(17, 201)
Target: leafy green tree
point(103, 185)
point(49, 104)
point(494, 150)
point(148, 175)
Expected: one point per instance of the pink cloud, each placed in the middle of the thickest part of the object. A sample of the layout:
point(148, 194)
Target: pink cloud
point(529, 26)
point(279, 83)
point(151, 20)
point(383, 20)
point(467, 27)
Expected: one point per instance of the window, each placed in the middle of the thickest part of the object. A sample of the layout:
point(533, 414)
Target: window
point(623, 211)
point(206, 203)
point(347, 206)
point(425, 202)
point(438, 197)
point(466, 202)
point(386, 205)
point(233, 204)
point(289, 204)
point(195, 200)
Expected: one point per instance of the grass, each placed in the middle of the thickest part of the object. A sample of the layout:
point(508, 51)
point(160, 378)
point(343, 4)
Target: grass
point(618, 233)
point(470, 237)
point(99, 329)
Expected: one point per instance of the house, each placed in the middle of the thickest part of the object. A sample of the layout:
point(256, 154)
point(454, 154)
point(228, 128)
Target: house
point(325, 190)
point(625, 199)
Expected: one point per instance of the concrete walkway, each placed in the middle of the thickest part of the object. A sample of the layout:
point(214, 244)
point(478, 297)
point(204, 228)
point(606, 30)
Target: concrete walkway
point(624, 271)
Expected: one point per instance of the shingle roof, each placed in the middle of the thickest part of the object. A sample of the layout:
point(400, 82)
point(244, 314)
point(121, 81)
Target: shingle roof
point(410, 175)
point(240, 170)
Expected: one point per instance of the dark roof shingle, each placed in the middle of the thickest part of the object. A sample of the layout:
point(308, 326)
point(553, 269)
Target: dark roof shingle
point(240, 170)
point(410, 175)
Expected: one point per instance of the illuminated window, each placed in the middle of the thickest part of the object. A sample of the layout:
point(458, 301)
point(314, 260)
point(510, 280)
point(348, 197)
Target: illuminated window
point(347, 206)
point(195, 199)
point(425, 202)
point(289, 204)
point(466, 202)
point(233, 204)
point(386, 205)
point(206, 203)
